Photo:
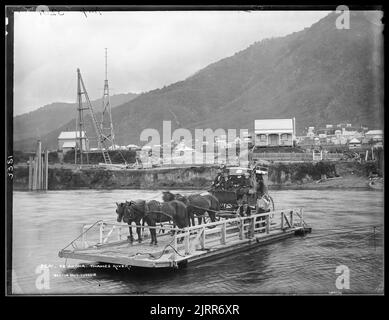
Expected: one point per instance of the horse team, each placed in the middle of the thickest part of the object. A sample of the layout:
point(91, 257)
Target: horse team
point(179, 209)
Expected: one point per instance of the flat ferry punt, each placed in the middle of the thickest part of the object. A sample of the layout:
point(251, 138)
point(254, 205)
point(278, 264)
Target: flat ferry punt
point(107, 242)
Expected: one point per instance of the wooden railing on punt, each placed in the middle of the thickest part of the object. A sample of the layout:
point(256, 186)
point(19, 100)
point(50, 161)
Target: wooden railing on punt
point(106, 232)
point(200, 237)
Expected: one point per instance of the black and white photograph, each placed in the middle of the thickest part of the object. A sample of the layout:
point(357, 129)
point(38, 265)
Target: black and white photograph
point(224, 150)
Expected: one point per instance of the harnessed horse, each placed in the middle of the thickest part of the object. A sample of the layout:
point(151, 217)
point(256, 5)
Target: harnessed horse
point(153, 212)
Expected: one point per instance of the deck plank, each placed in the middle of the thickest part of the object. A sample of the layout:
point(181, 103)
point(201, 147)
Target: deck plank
point(145, 255)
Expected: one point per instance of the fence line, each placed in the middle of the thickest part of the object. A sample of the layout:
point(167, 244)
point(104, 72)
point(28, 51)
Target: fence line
point(296, 156)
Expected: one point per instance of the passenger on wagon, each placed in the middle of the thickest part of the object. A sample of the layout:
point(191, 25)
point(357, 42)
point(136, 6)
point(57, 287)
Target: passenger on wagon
point(262, 198)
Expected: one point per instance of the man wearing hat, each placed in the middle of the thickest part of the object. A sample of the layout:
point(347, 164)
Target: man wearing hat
point(222, 180)
point(263, 200)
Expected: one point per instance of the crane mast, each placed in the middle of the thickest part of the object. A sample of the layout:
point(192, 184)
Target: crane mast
point(106, 124)
point(101, 137)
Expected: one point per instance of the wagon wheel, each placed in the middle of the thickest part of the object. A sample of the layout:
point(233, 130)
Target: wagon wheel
point(273, 207)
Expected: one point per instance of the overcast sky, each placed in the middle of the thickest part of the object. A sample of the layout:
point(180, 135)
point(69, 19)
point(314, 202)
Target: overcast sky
point(146, 50)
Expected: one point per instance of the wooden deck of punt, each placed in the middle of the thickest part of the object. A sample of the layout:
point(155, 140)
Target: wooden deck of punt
point(197, 243)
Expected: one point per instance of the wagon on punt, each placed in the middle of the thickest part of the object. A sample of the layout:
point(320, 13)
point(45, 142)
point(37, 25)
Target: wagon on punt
point(107, 242)
point(237, 185)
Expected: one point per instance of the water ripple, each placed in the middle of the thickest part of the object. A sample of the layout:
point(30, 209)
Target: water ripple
point(296, 265)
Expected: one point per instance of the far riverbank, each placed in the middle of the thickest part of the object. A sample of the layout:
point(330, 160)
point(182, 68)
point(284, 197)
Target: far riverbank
point(303, 175)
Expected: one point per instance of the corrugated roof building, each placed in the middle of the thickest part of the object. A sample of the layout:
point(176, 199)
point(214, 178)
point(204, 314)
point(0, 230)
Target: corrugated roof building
point(68, 140)
point(375, 135)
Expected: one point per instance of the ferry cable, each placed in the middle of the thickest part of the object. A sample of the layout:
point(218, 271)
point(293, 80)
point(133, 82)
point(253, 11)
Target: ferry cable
point(331, 234)
point(356, 242)
point(351, 227)
point(356, 228)
point(368, 236)
point(176, 251)
point(163, 251)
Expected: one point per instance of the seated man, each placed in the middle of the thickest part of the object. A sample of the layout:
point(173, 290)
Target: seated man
point(219, 177)
point(217, 182)
point(227, 183)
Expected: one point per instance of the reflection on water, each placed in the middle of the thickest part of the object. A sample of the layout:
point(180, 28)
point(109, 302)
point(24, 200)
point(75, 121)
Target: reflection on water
point(43, 223)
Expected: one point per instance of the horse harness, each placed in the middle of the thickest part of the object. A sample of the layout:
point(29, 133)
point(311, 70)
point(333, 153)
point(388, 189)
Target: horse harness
point(147, 211)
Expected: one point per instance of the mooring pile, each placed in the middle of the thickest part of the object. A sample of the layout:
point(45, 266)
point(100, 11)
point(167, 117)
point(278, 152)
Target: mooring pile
point(38, 169)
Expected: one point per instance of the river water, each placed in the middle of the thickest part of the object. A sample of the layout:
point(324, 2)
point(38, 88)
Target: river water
point(45, 222)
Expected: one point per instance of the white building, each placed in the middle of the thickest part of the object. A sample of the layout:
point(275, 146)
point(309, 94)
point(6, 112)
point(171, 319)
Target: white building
point(68, 140)
point(133, 147)
point(182, 154)
point(115, 147)
point(335, 140)
point(182, 149)
point(349, 135)
point(311, 132)
point(375, 135)
point(354, 143)
point(274, 132)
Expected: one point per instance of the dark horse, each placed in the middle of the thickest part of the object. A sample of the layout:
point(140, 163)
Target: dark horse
point(196, 204)
point(153, 212)
point(121, 211)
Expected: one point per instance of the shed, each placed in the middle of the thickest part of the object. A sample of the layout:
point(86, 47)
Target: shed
point(71, 139)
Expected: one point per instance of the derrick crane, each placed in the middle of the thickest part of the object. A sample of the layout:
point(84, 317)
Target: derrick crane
point(101, 138)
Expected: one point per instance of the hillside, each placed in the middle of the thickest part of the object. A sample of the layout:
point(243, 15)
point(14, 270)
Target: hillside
point(318, 75)
point(42, 121)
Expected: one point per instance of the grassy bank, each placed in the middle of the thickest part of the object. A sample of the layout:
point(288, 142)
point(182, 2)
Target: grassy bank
point(322, 175)
point(281, 176)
